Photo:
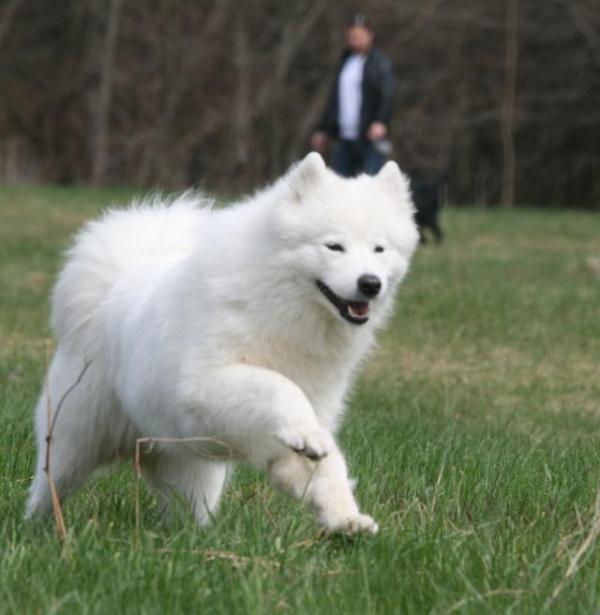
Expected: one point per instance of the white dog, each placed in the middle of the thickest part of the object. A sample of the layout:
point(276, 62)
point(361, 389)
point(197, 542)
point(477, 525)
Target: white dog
point(239, 328)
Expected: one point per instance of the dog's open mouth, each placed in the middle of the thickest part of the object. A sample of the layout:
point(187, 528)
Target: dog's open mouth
point(356, 312)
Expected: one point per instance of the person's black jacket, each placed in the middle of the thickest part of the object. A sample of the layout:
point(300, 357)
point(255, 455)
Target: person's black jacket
point(377, 95)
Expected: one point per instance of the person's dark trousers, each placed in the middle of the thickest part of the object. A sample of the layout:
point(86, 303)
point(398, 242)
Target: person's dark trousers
point(353, 157)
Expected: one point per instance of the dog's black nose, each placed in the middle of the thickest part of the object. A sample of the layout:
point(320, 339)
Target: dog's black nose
point(369, 285)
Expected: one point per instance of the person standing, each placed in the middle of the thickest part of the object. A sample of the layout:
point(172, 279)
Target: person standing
point(359, 107)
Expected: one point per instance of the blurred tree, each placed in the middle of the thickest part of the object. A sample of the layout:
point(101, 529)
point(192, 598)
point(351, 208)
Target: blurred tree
point(505, 97)
point(104, 98)
point(509, 103)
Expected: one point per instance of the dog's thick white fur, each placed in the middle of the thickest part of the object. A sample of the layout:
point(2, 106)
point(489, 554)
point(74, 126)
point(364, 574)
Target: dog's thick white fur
point(242, 327)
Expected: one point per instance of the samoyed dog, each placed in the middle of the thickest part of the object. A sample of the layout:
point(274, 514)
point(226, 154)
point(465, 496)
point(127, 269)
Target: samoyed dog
point(237, 330)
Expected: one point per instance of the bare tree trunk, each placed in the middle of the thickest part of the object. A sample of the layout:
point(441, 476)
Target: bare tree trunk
point(6, 18)
point(314, 107)
point(166, 142)
point(294, 33)
point(270, 95)
point(581, 21)
point(307, 122)
point(242, 111)
point(508, 104)
point(101, 125)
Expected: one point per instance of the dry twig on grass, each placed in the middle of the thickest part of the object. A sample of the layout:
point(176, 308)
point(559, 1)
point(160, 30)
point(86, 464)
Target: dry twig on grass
point(587, 544)
point(59, 520)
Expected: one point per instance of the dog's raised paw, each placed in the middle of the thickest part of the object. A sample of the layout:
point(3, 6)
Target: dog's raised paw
point(314, 443)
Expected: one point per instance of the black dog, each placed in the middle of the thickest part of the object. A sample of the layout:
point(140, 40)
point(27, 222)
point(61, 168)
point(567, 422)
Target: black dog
point(426, 196)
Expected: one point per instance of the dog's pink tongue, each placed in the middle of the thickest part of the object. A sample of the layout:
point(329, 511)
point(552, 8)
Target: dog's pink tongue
point(360, 310)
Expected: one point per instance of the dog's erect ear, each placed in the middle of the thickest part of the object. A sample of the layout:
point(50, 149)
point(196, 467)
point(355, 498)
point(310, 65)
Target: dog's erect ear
point(395, 181)
point(306, 174)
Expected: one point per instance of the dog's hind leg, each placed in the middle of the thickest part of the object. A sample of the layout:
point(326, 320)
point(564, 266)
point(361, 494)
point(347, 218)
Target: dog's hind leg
point(69, 408)
point(197, 481)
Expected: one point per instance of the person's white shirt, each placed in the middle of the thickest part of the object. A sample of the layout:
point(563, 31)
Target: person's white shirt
point(350, 96)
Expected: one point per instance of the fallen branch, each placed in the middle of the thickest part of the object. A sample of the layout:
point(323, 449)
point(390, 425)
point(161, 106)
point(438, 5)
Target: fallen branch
point(59, 520)
point(66, 394)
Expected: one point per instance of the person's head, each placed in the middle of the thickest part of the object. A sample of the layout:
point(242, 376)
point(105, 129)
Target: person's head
point(359, 34)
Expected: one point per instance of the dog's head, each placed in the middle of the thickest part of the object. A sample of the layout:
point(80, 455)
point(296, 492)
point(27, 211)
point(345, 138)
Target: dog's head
point(349, 241)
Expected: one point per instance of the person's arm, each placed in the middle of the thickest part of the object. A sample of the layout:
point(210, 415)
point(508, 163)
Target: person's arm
point(378, 129)
point(386, 103)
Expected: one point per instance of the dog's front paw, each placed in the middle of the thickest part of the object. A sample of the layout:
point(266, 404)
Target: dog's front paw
point(356, 524)
point(313, 442)
point(361, 523)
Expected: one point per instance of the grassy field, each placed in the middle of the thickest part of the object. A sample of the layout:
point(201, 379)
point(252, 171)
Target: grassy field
point(474, 434)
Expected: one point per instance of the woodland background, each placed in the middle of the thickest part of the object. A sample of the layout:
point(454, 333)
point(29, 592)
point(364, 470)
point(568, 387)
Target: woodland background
point(502, 96)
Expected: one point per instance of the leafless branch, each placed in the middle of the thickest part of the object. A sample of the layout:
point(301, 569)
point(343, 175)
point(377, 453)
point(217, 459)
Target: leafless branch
point(51, 418)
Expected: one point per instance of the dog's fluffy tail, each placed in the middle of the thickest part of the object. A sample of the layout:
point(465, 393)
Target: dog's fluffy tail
point(108, 248)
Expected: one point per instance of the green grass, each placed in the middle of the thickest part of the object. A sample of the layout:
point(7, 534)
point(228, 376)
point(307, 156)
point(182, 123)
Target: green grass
point(474, 433)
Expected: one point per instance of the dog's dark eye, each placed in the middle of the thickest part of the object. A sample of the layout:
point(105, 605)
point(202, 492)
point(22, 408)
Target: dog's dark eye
point(335, 247)
point(379, 248)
